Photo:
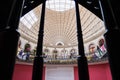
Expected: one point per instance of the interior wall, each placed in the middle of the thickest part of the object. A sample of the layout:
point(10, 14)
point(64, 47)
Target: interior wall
point(96, 72)
point(24, 72)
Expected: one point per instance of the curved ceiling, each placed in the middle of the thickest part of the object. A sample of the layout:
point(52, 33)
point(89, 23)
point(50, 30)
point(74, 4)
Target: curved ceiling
point(60, 26)
point(91, 5)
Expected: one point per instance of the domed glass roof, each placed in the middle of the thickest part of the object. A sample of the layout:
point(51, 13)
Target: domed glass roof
point(60, 5)
point(60, 25)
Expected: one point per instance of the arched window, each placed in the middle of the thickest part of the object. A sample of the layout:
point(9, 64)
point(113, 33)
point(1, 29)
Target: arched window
point(92, 48)
point(101, 42)
point(102, 45)
point(73, 53)
point(46, 50)
point(27, 47)
point(64, 53)
point(55, 54)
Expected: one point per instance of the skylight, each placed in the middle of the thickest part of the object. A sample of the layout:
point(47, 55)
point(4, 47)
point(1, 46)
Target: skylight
point(60, 5)
point(29, 19)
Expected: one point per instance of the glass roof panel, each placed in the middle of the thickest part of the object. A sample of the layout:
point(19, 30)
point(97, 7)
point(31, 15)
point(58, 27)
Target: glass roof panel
point(60, 5)
point(29, 19)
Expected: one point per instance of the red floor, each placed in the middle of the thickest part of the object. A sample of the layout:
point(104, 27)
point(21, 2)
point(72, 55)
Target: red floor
point(96, 72)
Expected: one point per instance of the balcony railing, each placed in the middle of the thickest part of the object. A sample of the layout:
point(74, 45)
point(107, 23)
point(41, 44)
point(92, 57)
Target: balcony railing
point(50, 59)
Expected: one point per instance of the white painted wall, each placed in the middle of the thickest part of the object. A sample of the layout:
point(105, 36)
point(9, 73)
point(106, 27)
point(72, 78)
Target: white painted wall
point(59, 73)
